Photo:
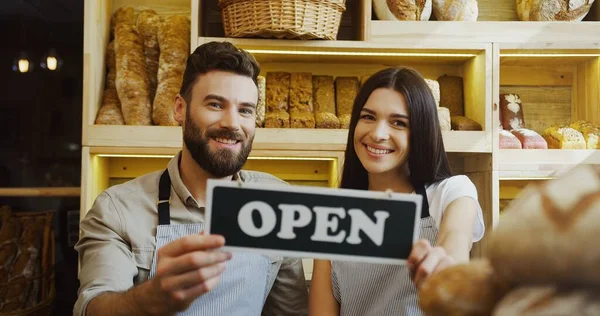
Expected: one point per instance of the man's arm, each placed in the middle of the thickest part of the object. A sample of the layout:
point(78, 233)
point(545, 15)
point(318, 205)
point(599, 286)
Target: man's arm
point(289, 294)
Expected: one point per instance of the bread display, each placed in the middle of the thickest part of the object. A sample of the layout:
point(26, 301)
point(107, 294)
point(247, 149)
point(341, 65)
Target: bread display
point(147, 25)
point(511, 111)
point(451, 94)
point(444, 118)
point(326, 120)
point(590, 132)
point(434, 85)
point(402, 10)
point(563, 137)
point(508, 140)
point(110, 110)
point(346, 89)
point(530, 139)
point(542, 235)
point(132, 75)
point(468, 289)
point(278, 91)
point(279, 119)
point(553, 10)
point(549, 300)
point(260, 106)
point(302, 119)
point(455, 10)
point(463, 123)
point(174, 43)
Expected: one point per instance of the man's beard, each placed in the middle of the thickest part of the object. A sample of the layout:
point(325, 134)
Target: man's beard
point(222, 162)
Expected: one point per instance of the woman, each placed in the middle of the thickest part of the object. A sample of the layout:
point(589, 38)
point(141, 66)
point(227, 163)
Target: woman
point(395, 142)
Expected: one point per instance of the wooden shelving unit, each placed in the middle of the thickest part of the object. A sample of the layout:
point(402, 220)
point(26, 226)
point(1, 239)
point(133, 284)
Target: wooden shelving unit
point(554, 66)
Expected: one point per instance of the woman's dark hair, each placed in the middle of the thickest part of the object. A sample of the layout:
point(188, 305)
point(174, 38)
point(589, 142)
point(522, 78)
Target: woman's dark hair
point(427, 158)
point(217, 56)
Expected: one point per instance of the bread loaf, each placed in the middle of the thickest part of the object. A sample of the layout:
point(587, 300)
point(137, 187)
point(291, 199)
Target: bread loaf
point(326, 120)
point(323, 94)
point(132, 76)
point(147, 25)
point(301, 93)
point(346, 89)
point(451, 94)
point(280, 119)
point(260, 107)
point(590, 132)
point(462, 123)
point(553, 10)
point(511, 111)
point(302, 119)
point(563, 138)
point(508, 140)
point(544, 236)
point(550, 300)
point(110, 110)
point(111, 64)
point(122, 15)
point(174, 44)
point(468, 289)
point(444, 118)
point(402, 10)
point(434, 86)
point(530, 139)
point(345, 121)
point(278, 91)
point(455, 10)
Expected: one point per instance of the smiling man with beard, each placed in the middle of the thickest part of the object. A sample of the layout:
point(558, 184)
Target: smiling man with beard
point(142, 249)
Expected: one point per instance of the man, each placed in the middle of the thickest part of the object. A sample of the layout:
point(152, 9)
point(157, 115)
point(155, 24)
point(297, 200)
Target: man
point(142, 251)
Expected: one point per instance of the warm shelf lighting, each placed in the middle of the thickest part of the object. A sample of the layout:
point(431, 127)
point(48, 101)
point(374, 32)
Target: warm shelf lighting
point(133, 156)
point(249, 158)
point(549, 55)
point(374, 54)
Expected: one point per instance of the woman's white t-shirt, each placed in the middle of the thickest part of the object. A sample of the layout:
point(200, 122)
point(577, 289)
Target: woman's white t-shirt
point(442, 193)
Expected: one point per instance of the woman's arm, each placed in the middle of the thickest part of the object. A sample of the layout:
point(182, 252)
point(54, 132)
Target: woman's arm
point(321, 301)
point(454, 241)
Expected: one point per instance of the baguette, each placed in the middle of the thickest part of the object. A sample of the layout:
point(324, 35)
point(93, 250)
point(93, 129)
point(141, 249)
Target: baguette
point(147, 24)
point(110, 111)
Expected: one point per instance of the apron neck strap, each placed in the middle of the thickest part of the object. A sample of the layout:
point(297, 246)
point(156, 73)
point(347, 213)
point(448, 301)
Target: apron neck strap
point(164, 199)
point(425, 209)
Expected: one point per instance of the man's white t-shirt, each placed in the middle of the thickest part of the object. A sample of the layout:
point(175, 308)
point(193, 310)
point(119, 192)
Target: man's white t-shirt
point(442, 193)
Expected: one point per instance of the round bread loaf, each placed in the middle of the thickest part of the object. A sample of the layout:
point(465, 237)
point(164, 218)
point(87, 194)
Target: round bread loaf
point(553, 10)
point(455, 10)
point(402, 10)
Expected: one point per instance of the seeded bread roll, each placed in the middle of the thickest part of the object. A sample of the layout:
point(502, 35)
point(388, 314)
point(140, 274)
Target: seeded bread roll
point(260, 107)
point(346, 89)
point(174, 43)
point(451, 94)
point(147, 25)
point(278, 91)
point(280, 119)
point(132, 76)
point(563, 138)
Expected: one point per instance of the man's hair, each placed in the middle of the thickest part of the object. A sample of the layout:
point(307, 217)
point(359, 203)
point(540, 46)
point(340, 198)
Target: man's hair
point(222, 56)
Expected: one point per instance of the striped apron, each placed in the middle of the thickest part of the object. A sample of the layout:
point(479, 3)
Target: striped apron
point(365, 289)
point(243, 287)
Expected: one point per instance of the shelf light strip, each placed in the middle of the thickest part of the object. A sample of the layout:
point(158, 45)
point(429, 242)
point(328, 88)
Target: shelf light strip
point(374, 54)
point(249, 158)
point(550, 55)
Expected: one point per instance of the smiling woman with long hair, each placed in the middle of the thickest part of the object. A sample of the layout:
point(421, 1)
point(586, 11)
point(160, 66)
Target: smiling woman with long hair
point(395, 143)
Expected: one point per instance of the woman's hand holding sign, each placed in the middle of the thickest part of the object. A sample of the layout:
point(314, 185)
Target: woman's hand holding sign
point(425, 260)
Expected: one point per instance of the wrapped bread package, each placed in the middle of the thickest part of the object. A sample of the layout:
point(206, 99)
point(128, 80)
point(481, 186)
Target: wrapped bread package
point(132, 75)
point(563, 137)
point(547, 234)
point(278, 91)
point(548, 300)
point(508, 140)
point(463, 123)
point(451, 94)
point(260, 107)
point(444, 118)
point(530, 139)
point(174, 43)
point(346, 89)
point(434, 86)
point(327, 120)
point(511, 112)
point(590, 132)
point(467, 289)
point(110, 110)
point(147, 25)
point(279, 119)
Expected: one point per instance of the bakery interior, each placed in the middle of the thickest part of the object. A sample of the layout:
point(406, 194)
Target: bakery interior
point(517, 85)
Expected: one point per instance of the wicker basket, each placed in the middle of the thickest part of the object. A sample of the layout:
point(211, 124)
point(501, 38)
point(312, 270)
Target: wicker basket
point(283, 19)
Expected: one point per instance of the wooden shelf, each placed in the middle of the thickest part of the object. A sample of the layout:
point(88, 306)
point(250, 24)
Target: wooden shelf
point(515, 164)
point(41, 192)
point(122, 136)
